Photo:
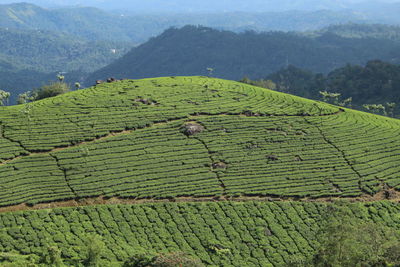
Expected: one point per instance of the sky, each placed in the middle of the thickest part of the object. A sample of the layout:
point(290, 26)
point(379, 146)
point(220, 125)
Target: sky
point(146, 6)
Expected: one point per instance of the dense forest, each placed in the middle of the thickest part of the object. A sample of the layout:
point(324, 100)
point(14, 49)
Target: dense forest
point(51, 51)
point(192, 49)
point(377, 82)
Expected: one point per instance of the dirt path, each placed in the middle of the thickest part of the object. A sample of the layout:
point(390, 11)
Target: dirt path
point(389, 195)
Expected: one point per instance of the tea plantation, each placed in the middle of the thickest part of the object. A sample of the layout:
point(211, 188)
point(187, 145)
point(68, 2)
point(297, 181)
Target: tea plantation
point(219, 233)
point(189, 139)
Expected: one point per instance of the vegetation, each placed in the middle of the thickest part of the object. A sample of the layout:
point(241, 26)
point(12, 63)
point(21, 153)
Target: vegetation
point(347, 241)
point(196, 145)
point(252, 232)
point(234, 56)
point(50, 90)
point(4, 96)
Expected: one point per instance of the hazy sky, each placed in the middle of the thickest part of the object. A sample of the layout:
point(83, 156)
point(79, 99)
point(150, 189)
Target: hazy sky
point(204, 5)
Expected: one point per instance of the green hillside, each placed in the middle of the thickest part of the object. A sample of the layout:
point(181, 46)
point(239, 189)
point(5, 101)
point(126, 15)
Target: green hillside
point(188, 139)
point(53, 51)
point(125, 139)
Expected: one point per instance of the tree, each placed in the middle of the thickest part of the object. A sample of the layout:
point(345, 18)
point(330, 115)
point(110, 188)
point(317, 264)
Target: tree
point(4, 96)
point(391, 108)
point(330, 97)
point(94, 250)
point(60, 77)
point(25, 97)
point(348, 241)
point(52, 257)
point(50, 90)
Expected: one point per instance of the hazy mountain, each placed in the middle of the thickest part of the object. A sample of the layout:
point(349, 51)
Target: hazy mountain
point(176, 6)
point(96, 24)
point(190, 50)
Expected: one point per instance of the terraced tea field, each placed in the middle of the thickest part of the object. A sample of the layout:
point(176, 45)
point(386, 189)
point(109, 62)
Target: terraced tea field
point(188, 139)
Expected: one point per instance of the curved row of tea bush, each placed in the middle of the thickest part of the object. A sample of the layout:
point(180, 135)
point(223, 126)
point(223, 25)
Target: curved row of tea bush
point(125, 139)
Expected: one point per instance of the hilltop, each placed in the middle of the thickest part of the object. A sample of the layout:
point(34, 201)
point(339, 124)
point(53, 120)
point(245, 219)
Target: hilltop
point(230, 173)
point(191, 50)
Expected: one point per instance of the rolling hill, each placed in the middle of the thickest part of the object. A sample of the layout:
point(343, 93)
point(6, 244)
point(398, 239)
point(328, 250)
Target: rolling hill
point(191, 50)
point(250, 170)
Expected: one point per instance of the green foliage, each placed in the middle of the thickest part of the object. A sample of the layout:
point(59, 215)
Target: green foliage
point(25, 97)
point(346, 241)
point(175, 259)
point(50, 90)
point(260, 83)
point(172, 259)
point(330, 97)
point(4, 96)
point(258, 233)
point(17, 260)
point(95, 248)
point(52, 257)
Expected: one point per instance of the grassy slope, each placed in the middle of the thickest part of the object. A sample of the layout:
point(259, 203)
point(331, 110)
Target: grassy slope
point(105, 141)
point(125, 139)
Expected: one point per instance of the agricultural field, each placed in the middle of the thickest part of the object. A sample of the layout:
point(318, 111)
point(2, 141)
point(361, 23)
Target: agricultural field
point(242, 163)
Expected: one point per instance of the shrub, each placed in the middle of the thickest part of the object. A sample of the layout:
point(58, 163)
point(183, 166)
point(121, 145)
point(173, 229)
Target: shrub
point(173, 259)
point(50, 90)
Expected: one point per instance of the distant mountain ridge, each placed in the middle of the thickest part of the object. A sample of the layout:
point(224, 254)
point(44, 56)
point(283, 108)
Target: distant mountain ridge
point(191, 50)
point(214, 6)
point(96, 24)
